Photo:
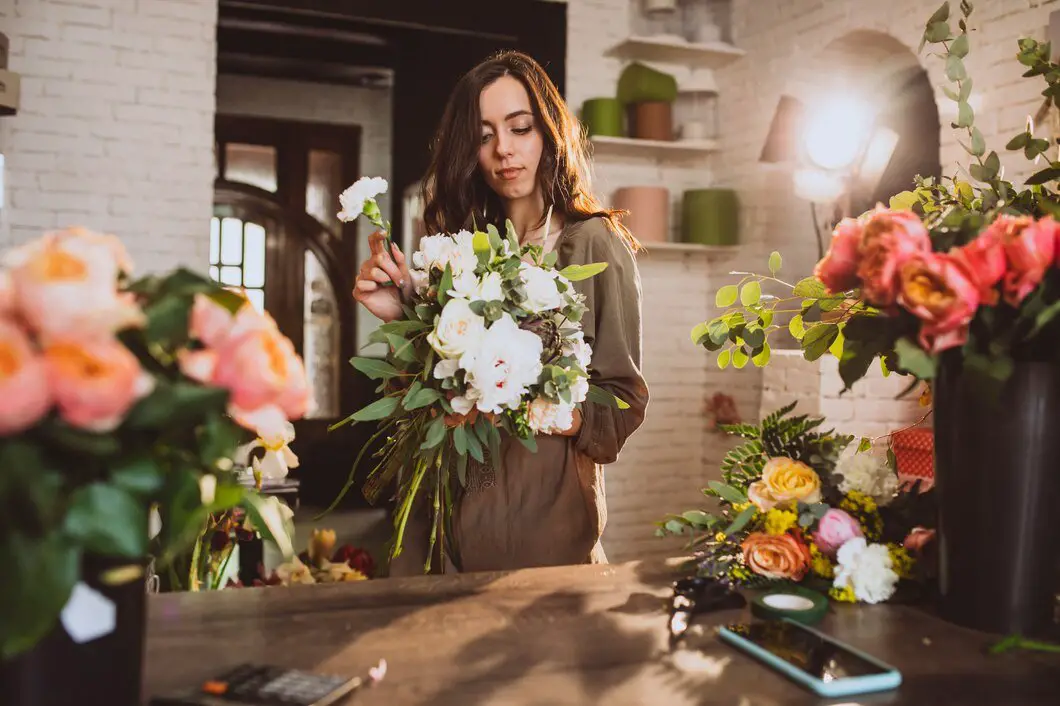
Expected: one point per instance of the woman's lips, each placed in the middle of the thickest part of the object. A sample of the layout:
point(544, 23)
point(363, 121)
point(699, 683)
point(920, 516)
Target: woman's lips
point(509, 173)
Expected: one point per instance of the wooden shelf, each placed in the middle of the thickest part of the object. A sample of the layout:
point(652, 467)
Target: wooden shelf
point(671, 51)
point(690, 247)
point(630, 147)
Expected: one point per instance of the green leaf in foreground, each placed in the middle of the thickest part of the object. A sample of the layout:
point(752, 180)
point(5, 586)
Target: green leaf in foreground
point(576, 273)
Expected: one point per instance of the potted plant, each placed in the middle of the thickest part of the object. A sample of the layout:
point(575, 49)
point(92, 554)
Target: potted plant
point(955, 283)
point(122, 403)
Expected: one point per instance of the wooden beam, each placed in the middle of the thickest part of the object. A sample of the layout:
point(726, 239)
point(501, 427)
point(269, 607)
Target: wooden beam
point(245, 42)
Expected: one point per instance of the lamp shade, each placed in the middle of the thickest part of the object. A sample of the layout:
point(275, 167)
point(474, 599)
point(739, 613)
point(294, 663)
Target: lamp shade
point(649, 212)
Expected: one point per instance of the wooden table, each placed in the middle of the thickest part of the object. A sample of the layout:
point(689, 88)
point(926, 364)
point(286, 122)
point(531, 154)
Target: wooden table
point(569, 635)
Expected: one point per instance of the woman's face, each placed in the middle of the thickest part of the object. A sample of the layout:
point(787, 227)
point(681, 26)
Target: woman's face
point(511, 139)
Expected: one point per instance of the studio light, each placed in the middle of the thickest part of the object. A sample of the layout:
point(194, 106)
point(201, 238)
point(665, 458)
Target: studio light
point(836, 132)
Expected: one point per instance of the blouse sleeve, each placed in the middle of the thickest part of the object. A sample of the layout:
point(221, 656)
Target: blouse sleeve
point(612, 327)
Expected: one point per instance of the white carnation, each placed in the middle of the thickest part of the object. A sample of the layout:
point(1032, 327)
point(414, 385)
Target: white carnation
point(867, 473)
point(547, 417)
point(542, 294)
point(457, 331)
point(354, 198)
point(575, 346)
point(579, 389)
point(866, 568)
point(437, 251)
point(504, 364)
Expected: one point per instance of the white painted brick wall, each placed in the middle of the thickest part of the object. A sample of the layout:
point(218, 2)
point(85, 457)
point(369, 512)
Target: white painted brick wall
point(368, 108)
point(116, 126)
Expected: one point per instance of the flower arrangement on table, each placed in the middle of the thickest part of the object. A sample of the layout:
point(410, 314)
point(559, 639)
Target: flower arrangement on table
point(964, 266)
point(122, 403)
point(804, 505)
point(321, 562)
point(490, 343)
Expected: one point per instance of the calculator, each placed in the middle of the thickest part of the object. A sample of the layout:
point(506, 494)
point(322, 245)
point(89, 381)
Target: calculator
point(265, 685)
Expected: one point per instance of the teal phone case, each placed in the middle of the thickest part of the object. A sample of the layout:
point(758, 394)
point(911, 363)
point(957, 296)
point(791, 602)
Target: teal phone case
point(850, 686)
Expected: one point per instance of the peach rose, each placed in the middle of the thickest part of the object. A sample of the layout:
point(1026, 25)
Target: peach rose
point(7, 294)
point(25, 396)
point(66, 283)
point(918, 538)
point(95, 381)
point(888, 239)
point(983, 261)
point(262, 368)
point(1030, 247)
point(937, 290)
point(776, 556)
point(838, 269)
point(784, 483)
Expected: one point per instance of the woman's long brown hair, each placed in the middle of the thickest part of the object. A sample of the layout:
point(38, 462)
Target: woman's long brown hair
point(454, 191)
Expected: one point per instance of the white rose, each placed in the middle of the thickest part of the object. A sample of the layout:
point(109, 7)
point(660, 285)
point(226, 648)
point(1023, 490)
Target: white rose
point(506, 363)
point(542, 294)
point(866, 568)
point(464, 285)
point(546, 417)
point(463, 257)
point(866, 472)
point(490, 288)
point(457, 331)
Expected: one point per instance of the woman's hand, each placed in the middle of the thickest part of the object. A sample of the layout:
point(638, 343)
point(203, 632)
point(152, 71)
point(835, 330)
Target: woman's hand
point(382, 280)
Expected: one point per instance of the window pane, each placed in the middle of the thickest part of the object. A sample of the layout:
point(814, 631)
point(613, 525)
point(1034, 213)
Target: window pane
point(321, 340)
point(251, 164)
point(324, 186)
point(215, 240)
point(231, 276)
point(254, 256)
point(215, 273)
point(231, 242)
point(257, 298)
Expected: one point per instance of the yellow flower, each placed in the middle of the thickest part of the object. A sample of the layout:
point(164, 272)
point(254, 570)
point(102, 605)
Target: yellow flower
point(856, 501)
point(780, 521)
point(902, 561)
point(843, 595)
point(864, 509)
point(740, 507)
point(820, 564)
point(784, 483)
point(719, 537)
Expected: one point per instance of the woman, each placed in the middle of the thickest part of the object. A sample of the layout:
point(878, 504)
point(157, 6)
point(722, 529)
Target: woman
point(509, 148)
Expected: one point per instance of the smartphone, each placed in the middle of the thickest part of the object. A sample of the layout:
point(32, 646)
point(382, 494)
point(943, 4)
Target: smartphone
point(818, 662)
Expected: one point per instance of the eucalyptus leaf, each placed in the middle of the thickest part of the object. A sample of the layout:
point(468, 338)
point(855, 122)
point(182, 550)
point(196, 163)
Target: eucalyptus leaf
point(751, 293)
point(435, 433)
point(375, 368)
point(576, 273)
point(380, 409)
point(775, 261)
point(818, 339)
point(978, 147)
point(761, 358)
point(959, 46)
point(741, 520)
point(955, 70)
point(810, 287)
point(727, 296)
point(727, 492)
point(739, 358)
point(724, 358)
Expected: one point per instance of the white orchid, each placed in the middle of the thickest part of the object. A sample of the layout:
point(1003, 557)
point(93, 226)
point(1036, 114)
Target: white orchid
point(278, 458)
point(358, 196)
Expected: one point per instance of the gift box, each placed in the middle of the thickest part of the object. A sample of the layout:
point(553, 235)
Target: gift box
point(914, 451)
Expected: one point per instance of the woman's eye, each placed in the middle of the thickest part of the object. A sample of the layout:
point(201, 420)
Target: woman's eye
point(522, 130)
point(486, 137)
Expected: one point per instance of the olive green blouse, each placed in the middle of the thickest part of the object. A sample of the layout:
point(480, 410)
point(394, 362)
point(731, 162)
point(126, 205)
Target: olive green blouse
point(548, 508)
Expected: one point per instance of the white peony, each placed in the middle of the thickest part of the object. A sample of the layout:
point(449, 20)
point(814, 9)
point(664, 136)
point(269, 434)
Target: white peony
point(464, 285)
point(542, 294)
point(437, 251)
point(866, 568)
point(457, 331)
point(867, 473)
point(356, 196)
point(547, 417)
point(462, 404)
point(505, 364)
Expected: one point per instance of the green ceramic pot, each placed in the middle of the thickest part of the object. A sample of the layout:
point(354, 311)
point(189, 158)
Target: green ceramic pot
point(710, 217)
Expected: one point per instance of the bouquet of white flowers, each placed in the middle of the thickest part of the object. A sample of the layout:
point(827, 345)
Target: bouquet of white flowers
point(490, 343)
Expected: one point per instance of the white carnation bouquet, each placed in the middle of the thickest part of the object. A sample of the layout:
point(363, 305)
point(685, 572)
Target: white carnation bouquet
point(490, 344)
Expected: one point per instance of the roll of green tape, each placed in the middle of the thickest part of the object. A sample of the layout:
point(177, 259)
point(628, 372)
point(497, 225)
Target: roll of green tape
point(603, 117)
point(710, 217)
point(795, 603)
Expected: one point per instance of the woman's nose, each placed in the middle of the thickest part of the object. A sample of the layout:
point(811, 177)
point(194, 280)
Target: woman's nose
point(504, 145)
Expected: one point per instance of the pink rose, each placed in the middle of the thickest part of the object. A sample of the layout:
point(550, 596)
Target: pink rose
point(66, 283)
point(25, 396)
point(888, 240)
point(95, 381)
point(838, 269)
point(983, 260)
point(1030, 248)
point(834, 530)
point(936, 289)
point(918, 539)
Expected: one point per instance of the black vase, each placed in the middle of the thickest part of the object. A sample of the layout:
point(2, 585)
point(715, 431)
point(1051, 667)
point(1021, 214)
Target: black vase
point(997, 466)
point(59, 671)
